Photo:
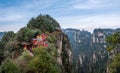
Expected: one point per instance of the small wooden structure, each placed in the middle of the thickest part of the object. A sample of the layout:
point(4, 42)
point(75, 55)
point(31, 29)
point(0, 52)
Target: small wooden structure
point(40, 40)
point(27, 45)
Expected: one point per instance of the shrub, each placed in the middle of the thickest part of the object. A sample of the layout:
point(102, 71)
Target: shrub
point(42, 62)
point(9, 67)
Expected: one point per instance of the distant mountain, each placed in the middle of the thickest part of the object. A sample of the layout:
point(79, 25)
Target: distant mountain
point(89, 49)
point(1, 34)
point(80, 40)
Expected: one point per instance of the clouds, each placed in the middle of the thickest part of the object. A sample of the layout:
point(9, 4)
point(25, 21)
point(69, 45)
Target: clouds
point(10, 18)
point(88, 4)
point(11, 27)
point(92, 4)
point(69, 13)
point(91, 22)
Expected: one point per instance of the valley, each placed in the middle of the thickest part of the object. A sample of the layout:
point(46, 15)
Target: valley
point(90, 53)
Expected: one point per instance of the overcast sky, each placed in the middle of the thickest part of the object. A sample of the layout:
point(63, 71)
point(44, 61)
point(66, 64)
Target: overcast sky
point(79, 14)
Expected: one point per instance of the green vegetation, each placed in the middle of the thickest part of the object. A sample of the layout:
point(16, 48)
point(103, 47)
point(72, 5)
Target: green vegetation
point(42, 62)
point(11, 41)
point(114, 66)
point(9, 67)
point(6, 44)
point(39, 60)
point(44, 23)
point(114, 41)
point(25, 34)
point(9, 36)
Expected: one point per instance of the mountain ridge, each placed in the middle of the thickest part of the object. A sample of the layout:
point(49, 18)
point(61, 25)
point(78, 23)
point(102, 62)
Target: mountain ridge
point(89, 49)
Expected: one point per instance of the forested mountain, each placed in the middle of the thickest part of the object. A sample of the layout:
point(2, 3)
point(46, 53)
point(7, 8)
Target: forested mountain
point(89, 49)
point(43, 47)
point(40, 47)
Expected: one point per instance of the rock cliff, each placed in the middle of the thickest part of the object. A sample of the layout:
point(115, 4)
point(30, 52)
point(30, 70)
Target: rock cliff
point(64, 53)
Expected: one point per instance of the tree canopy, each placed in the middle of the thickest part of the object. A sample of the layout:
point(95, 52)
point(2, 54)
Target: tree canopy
point(9, 67)
point(114, 66)
point(5, 43)
point(9, 36)
point(114, 40)
point(44, 23)
point(25, 34)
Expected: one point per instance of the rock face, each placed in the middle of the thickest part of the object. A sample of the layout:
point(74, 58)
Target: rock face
point(59, 44)
point(64, 53)
point(79, 39)
point(99, 35)
point(89, 49)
